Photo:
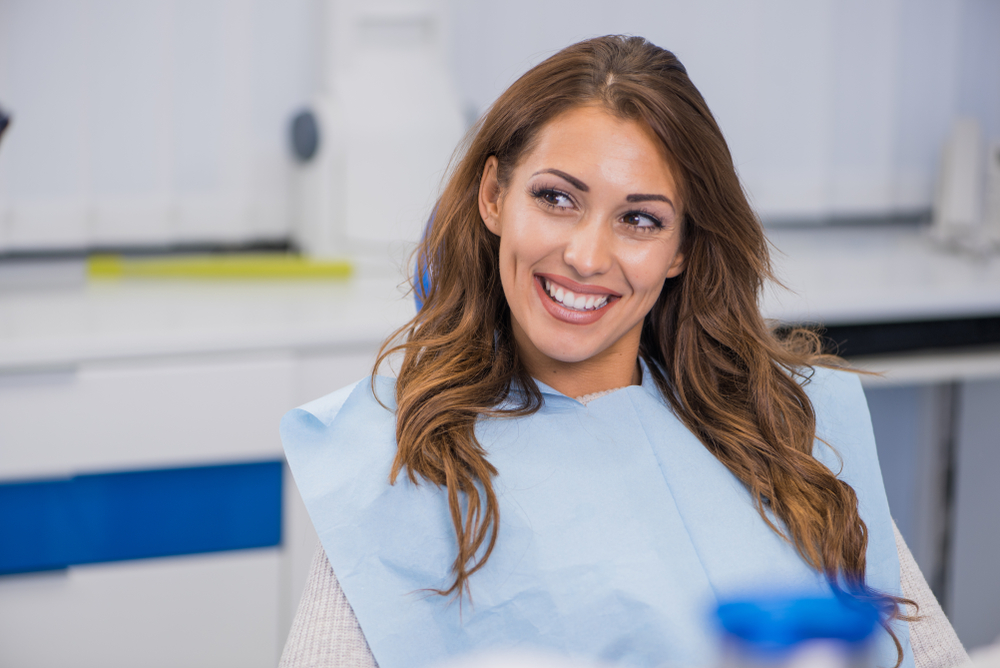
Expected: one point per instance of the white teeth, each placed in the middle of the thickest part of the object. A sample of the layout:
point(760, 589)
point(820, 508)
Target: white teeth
point(573, 300)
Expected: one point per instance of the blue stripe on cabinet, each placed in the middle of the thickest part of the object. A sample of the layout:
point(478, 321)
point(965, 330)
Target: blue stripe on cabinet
point(53, 524)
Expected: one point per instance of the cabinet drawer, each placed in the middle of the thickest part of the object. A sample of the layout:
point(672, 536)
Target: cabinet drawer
point(143, 414)
point(213, 610)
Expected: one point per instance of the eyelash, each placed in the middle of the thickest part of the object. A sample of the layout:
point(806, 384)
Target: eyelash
point(657, 223)
point(539, 192)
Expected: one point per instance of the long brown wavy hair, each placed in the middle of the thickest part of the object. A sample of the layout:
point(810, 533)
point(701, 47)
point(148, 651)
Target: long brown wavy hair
point(725, 373)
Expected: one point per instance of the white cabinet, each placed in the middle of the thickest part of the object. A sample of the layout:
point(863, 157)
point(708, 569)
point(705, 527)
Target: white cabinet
point(143, 414)
point(218, 609)
point(215, 610)
point(162, 403)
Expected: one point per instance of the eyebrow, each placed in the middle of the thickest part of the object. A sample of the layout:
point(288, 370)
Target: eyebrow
point(648, 198)
point(580, 185)
point(573, 181)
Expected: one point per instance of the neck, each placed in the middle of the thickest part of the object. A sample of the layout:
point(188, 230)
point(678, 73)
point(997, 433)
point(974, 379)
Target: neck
point(583, 379)
point(610, 369)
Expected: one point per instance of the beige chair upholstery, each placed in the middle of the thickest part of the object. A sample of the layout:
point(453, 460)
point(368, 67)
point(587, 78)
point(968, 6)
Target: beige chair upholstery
point(934, 642)
point(326, 634)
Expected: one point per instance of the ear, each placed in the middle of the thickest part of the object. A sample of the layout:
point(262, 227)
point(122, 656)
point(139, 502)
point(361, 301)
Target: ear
point(680, 258)
point(489, 196)
point(677, 265)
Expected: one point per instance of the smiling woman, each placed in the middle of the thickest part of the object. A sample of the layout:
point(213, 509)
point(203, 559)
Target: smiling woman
point(593, 434)
point(589, 232)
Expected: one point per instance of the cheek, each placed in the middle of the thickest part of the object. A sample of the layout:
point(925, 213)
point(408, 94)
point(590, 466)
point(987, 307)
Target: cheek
point(515, 266)
point(506, 265)
point(647, 269)
point(528, 237)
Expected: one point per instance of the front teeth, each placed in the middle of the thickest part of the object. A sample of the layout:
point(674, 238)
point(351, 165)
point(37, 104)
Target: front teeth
point(573, 300)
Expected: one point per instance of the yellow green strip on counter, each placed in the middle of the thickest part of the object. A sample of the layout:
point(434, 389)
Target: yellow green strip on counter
point(249, 266)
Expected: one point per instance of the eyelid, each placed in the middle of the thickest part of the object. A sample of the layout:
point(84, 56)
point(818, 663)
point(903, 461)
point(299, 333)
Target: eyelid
point(537, 191)
point(657, 221)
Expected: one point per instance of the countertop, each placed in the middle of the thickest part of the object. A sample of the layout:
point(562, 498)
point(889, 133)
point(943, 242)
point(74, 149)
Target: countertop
point(55, 325)
point(51, 316)
point(882, 273)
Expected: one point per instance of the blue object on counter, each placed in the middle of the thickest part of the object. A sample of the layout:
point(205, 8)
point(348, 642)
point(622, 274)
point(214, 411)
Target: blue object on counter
point(775, 623)
point(54, 524)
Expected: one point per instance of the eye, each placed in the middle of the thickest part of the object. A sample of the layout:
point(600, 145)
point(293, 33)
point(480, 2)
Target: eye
point(552, 198)
point(641, 219)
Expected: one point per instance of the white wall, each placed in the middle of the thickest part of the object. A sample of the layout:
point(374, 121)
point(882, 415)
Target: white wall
point(148, 123)
point(164, 121)
point(831, 108)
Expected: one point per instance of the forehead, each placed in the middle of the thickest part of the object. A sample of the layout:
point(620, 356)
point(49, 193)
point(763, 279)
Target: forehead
point(589, 142)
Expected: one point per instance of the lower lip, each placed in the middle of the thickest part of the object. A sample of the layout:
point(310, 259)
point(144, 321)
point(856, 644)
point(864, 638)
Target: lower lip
point(571, 316)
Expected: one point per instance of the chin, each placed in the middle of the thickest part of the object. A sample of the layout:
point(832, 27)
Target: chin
point(569, 354)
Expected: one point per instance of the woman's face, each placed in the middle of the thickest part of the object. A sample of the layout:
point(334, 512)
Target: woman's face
point(590, 228)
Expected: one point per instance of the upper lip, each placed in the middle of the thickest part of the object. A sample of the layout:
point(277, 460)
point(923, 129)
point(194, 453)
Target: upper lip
point(578, 288)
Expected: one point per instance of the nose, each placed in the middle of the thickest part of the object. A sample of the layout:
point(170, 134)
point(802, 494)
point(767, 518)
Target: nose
point(589, 247)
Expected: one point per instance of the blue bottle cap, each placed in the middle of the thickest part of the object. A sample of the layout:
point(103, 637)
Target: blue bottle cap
point(781, 622)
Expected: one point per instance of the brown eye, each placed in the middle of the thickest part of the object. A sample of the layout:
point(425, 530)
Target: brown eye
point(640, 219)
point(553, 198)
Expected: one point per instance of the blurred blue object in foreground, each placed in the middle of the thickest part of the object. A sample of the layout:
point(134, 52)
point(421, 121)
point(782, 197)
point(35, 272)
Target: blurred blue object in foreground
point(785, 631)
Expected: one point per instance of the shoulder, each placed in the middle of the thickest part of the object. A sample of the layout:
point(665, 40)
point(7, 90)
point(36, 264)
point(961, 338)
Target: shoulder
point(832, 388)
point(845, 441)
point(845, 444)
point(332, 441)
point(321, 414)
point(842, 418)
point(325, 408)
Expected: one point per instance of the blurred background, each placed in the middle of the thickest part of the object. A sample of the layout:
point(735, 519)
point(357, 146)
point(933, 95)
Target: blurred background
point(206, 210)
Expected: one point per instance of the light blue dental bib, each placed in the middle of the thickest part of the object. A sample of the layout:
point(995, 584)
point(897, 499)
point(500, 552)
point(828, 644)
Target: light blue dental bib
point(618, 529)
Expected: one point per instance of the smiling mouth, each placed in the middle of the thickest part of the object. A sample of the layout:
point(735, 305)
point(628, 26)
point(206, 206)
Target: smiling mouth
point(572, 300)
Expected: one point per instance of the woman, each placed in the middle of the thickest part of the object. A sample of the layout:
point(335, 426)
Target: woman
point(593, 433)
